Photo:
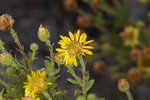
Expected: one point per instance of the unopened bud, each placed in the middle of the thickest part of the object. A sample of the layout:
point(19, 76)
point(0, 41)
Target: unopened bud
point(6, 22)
point(91, 97)
point(43, 33)
point(5, 59)
point(123, 85)
point(34, 47)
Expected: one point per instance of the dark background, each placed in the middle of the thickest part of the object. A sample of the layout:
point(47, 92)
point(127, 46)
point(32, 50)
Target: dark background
point(29, 14)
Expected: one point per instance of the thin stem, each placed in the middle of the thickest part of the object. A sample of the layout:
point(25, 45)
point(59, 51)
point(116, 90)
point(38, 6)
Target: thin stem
point(83, 68)
point(128, 93)
point(47, 95)
point(73, 73)
point(3, 83)
point(50, 47)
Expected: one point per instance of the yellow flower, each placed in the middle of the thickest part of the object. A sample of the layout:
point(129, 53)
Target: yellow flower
point(36, 82)
point(73, 46)
point(130, 36)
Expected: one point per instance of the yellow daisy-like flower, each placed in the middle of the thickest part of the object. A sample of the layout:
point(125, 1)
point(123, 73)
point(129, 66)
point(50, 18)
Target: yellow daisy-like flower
point(73, 46)
point(36, 82)
point(130, 36)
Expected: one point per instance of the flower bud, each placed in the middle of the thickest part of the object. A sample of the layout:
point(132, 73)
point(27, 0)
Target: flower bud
point(34, 47)
point(5, 59)
point(83, 21)
point(123, 85)
point(43, 34)
point(91, 97)
point(6, 22)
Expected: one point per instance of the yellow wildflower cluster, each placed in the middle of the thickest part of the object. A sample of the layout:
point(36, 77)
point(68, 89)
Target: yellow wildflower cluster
point(36, 82)
point(130, 36)
point(73, 46)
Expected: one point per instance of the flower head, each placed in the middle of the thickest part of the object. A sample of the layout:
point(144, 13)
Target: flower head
point(130, 36)
point(36, 83)
point(43, 33)
point(73, 46)
point(6, 22)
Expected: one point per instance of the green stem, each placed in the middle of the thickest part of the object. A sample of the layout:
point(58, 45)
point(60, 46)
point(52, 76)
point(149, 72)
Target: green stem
point(71, 71)
point(47, 95)
point(3, 83)
point(83, 69)
point(128, 93)
point(50, 47)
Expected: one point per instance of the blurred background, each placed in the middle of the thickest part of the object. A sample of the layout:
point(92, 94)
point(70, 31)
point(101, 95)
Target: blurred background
point(104, 21)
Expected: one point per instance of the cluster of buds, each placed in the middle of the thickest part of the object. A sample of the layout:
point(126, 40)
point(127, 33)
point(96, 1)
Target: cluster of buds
point(99, 66)
point(130, 36)
point(83, 21)
point(70, 5)
point(6, 22)
point(5, 59)
point(43, 33)
point(134, 75)
point(123, 85)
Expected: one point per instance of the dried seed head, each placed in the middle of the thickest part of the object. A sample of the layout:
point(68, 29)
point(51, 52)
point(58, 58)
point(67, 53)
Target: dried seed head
point(123, 85)
point(146, 51)
point(99, 66)
point(70, 5)
point(6, 22)
point(96, 2)
point(134, 75)
point(135, 53)
point(83, 21)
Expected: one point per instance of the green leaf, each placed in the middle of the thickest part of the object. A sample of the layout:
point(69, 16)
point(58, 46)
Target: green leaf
point(90, 84)
point(72, 81)
point(1, 94)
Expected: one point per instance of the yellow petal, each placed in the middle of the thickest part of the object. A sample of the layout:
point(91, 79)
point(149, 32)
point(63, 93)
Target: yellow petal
point(88, 47)
point(77, 35)
point(71, 36)
point(60, 50)
point(87, 51)
point(83, 37)
point(90, 41)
